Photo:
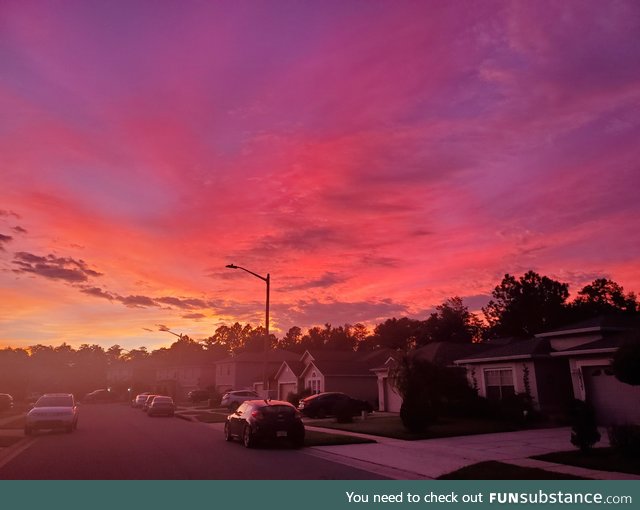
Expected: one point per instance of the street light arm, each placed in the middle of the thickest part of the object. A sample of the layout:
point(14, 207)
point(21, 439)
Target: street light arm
point(263, 278)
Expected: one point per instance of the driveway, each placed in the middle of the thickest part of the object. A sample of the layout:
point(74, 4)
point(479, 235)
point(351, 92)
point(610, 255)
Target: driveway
point(431, 458)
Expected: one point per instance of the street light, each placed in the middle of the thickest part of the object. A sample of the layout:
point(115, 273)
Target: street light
point(162, 327)
point(267, 280)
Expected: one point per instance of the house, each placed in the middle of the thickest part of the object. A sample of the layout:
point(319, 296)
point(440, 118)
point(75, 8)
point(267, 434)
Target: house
point(331, 370)
point(177, 380)
point(557, 366)
point(243, 370)
point(440, 353)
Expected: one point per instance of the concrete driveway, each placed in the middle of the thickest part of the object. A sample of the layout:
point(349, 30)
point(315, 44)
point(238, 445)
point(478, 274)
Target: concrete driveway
point(431, 458)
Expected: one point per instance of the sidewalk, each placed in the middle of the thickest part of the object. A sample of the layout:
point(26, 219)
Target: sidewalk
point(431, 458)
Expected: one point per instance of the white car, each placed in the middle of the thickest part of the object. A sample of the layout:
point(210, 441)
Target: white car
point(232, 399)
point(53, 411)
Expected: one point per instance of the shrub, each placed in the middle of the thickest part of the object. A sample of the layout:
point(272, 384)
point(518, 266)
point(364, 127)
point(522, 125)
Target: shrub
point(584, 430)
point(625, 439)
point(626, 363)
point(517, 409)
point(417, 412)
point(294, 398)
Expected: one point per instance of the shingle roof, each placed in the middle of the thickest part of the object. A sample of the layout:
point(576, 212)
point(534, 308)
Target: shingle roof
point(445, 353)
point(608, 343)
point(600, 322)
point(519, 349)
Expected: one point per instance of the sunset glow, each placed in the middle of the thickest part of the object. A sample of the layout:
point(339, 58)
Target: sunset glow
point(375, 158)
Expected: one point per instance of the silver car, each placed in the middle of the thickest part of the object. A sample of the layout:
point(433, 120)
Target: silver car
point(52, 411)
point(232, 399)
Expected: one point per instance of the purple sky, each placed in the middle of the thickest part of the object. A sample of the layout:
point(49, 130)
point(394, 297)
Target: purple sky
point(375, 158)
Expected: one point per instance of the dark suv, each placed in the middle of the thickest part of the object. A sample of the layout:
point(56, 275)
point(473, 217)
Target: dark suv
point(261, 420)
point(331, 403)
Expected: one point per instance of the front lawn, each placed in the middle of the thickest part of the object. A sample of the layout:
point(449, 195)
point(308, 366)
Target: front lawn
point(601, 459)
point(494, 470)
point(391, 426)
point(208, 417)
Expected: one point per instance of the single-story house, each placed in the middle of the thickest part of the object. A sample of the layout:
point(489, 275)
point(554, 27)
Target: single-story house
point(330, 370)
point(440, 353)
point(242, 371)
point(557, 366)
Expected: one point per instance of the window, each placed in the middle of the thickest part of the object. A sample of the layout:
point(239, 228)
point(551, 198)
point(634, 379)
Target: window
point(314, 383)
point(499, 383)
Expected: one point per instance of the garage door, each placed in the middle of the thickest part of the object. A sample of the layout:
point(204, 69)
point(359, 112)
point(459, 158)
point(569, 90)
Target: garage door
point(392, 400)
point(614, 402)
point(284, 389)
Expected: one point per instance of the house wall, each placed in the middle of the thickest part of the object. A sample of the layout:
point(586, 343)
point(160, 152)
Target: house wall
point(554, 386)
point(476, 377)
point(286, 383)
point(225, 376)
point(313, 374)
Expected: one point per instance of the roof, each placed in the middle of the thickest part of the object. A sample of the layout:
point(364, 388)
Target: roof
point(602, 345)
point(445, 353)
point(520, 349)
point(618, 322)
point(348, 363)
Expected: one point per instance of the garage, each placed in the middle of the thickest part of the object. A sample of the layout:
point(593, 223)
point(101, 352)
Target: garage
point(392, 401)
point(284, 389)
point(613, 401)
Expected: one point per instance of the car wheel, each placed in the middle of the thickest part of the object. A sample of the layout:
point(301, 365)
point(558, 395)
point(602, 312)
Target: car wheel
point(247, 437)
point(227, 432)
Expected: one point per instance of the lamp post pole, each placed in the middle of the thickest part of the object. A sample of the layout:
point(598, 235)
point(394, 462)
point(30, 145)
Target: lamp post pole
point(267, 280)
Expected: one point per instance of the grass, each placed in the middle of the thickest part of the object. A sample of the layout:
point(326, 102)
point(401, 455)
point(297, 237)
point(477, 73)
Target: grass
point(209, 417)
point(391, 426)
point(494, 470)
point(601, 459)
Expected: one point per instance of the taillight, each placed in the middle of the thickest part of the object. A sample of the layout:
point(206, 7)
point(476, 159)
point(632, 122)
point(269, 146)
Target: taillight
point(257, 415)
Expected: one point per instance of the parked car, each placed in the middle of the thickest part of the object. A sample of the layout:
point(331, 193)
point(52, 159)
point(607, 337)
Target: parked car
point(261, 420)
point(161, 405)
point(52, 411)
point(329, 403)
point(6, 402)
point(147, 402)
point(139, 401)
point(198, 395)
point(232, 399)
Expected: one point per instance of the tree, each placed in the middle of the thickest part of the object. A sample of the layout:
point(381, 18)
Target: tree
point(626, 362)
point(603, 297)
point(451, 322)
point(526, 306)
point(291, 340)
point(397, 334)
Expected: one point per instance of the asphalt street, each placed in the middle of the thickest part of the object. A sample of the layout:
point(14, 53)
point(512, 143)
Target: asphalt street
point(116, 442)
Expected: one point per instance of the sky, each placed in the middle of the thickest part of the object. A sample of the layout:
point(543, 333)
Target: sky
point(373, 157)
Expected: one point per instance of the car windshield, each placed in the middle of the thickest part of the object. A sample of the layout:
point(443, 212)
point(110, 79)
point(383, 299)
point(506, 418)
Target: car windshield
point(162, 400)
point(61, 401)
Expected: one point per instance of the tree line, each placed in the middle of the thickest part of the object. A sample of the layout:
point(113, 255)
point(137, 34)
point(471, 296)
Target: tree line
point(519, 307)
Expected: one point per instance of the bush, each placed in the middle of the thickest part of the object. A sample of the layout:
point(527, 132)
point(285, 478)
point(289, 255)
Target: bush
point(584, 430)
point(417, 413)
point(295, 398)
point(517, 409)
point(625, 439)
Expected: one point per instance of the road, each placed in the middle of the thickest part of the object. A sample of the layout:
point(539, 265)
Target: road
point(116, 442)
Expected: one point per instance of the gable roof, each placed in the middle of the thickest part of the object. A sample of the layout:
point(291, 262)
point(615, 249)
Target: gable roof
point(346, 363)
point(445, 353)
point(608, 344)
point(297, 367)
